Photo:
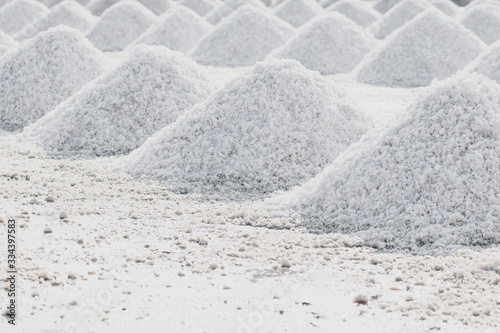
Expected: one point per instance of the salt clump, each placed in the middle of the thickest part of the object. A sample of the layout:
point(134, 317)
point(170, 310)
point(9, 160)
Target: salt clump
point(356, 10)
point(484, 21)
point(243, 38)
point(488, 63)
point(273, 128)
point(202, 7)
point(298, 12)
point(20, 13)
point(6, 43)
point(43, 72)
point(228, 7)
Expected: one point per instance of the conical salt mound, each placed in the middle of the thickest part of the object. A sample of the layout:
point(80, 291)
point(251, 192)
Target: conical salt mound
point(431, 46)
point(97, 7)
point(383, 6)
point(43, 72)
point(243, 38)
point(118, 112)
point(19, 14)
point(6, 44)
point(271, 129)
point(230, 6)
point(330, 44)
point(488, 63)
point(484, 21)
point(358, 11)
point(68, 12)
point(298, 12)
point(430, 183)
point(120, 25)
point(157, 6)
point(202, 7)
point(446, 6)
point(180, 29)
point(327, 3)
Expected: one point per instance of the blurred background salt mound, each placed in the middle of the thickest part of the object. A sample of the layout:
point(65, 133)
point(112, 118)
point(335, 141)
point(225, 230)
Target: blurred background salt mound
point(484, 21)
point(358, 11)
point(271, 129)
point(157, 6)
point(297, 12)
point(6, 44)
point(246, 36)
point(20, 13)
point(430, 46)
point(488, 63)
point(228, 7)
point(202, 7)
point(97, 7)
point(330, 44)
point(383, 6)
point(120, 25)
point(446, 6)
point(432, 182)
point(43, 72)
point(119, 111)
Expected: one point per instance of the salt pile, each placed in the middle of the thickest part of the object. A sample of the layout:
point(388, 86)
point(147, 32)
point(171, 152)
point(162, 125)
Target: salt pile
point(202, 7)
point(488, 63)
point(117, 112)
point(298, 12)
point(97, 7)
point(432, 182)
point(398, 16)
point(228, 7)
point(327, 3)
point(6, 43)
point(243, 38)
point(179, 30)
point(68, 13)
point(329, 44)
point(446, 6)
point(119, 25)
point(20, 13)
point(43, 72)
point(273, 128)
point(157, 6)
point(431, 46)
point(357, 11)
point(383, 6)
point(484, 21)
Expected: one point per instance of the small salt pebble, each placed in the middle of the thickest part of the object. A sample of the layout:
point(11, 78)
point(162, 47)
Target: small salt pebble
point(47, 230)
point(50, 199)
point(285, 263)
point(361, 299)
point(214, 266)
point(63, 215)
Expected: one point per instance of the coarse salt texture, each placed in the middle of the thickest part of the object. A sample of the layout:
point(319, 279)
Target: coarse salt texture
point(298, 12)
point(484, 21)
point(356, 10)
point(228, 7)
point(43, 72)
point(120, 25)
point(273, 128)
point(329, 44)
point(202, 7)
point(19, 14)
point(6, 44)
point(430, 183)
point(117, 112)
point(487, 63)
point(431, 46)
point(243, 38)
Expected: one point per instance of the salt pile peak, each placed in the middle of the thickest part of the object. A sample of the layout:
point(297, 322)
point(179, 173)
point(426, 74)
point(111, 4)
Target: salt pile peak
point(327, 3)
point(157, 6)
point(431, 46)
point(446, 6)
point(273, 128)
point(202, 7)
point(488, 63)
point(97, 7)
point(243, 38)
point(179, 30)
point(119, 111)
point(43, 72)
point(430, 183)
point(230, 6)
point(484, 21)
point(358, 11)
point(383, 6)
point(330, 44)
point(298, 12)
point(120, 25)
point(20, 13)
point(6, 43)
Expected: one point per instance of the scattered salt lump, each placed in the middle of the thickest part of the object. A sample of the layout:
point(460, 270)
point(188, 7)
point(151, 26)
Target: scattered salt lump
point(97, 7)
point(157, 6)
point(432, 182)
point(488, 63)
point(68, 12)
point(329, 44)
point(298, 12)
point(202, 7)
point(228, 7)
point(356, 10)
point(20, 13)
point(119, 25)
point(446, 6)
point(383, 6)
point(179, 29)
point(484, 21)
point(398, 16)
point(116, 113)
point(6, 43)
point(431, 46)
point(273, 128)
point(243, 38)
point(43, 72)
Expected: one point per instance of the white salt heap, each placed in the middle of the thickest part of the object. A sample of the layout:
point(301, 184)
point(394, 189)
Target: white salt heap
point(119, 25)
point(431, 46)
point(179, 30)
point(432, 182)
point(327, 3)
point(119, 111)
point(157, 6)
point(383, 6)
point(484, 21)
point(446, 6)
point(68, 13)
point(488, 63)
point(43, 72)
point(356, 10)
point(273, 128)
point(243, 38)
point(20, 13)
point(97, 7)
point(6, 43)
point(298, 12)
point(202, 7)
point(329, 44)
point(228, 7)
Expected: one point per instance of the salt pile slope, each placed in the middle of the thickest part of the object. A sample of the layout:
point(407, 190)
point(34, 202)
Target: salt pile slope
point(430, 46)
point(329, 44)
point(202, 7)
point(298, 12)
point(230, 6)
point(43, 72)
point(97, 7)
point(120, 25)
point(243, 38)
point(6, 43)
point(488, 63)
point(484, 21)
point(446, 6)
point(432, 182)
point(383, 6)
point(358, 11)
point(157, 6)
point(116, 113)
point(20, 13)
point(271, 129)
point(180, 29)
point(68, 13)
point(327, 3)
